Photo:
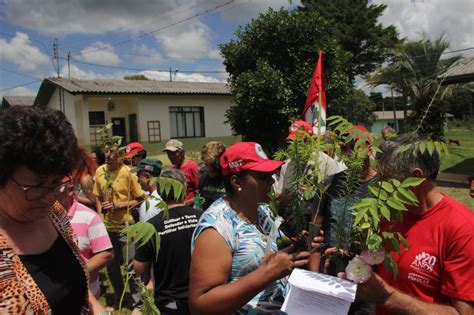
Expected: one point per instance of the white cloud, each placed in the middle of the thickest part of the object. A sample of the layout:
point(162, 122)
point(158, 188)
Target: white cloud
point(100, 53)
point(244, 11)
point(188, 43)
point(185, 77)
point(454, 18)
point(21, 51)
point(78, 73)
point(146, 55)
point(19, 91)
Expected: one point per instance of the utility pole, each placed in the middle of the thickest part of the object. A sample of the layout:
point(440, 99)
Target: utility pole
point(69, 64)
point(171, 79)
point(56, 55)
point(395, 125)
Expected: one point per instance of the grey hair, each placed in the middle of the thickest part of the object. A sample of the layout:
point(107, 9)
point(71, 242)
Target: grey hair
point(400, 165)
point(176, 175)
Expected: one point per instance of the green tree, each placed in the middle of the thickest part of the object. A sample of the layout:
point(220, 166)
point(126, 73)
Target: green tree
point(358, 108)
point(416, 72)
point(271, 63)
point(135, 77)
point(460, 104)
point(355, 25)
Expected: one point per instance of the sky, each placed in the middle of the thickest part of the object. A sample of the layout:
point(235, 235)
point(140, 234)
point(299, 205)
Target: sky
point(110, 39)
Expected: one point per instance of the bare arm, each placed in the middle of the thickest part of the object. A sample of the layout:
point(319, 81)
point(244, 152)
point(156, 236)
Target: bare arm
point(95, 307)
point(375, 290)
point(209, 292)
point(87, 185)
point(100, 260)
point(143, 269)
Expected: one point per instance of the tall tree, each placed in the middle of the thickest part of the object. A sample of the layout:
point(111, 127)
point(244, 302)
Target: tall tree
point(355, 25)
point(358, 108)
point(271, 64)
point(416, 72)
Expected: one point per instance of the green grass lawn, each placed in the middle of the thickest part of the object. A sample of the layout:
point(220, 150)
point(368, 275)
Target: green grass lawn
point(461, 158)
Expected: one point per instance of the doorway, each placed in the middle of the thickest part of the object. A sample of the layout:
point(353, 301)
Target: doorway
point(118, 128)
point(132, 123)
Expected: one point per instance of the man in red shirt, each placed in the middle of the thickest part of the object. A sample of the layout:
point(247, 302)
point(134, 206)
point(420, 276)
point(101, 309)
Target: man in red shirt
point(435, 273)
point(175, 151)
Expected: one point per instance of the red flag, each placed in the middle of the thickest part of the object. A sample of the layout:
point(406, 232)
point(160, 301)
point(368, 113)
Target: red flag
point(315, 107)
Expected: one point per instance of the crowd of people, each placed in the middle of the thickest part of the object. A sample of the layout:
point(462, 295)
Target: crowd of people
point(62, 210)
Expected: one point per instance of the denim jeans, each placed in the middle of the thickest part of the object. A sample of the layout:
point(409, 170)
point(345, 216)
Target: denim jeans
point(119, 243)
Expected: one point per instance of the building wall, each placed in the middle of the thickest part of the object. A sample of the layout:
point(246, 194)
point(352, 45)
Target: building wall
point(69, 106)
point(147, 108)
point(154, 108)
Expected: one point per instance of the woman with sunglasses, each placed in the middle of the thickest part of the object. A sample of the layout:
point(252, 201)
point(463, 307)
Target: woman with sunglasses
point(230, 271)
point(41, 270)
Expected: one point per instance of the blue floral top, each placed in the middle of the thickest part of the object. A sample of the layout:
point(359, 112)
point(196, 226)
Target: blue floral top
point(247, 245)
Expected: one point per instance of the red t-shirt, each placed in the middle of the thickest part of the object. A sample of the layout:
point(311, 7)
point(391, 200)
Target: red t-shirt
point(189, 169)
point(439, 263)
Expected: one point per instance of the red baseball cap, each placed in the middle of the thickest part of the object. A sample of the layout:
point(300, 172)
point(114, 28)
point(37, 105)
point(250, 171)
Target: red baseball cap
point(298, 128)
point(132, 149)
point(246, 156)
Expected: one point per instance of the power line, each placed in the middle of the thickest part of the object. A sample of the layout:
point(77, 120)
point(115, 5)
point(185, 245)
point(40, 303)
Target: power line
point(141, 69)
point(20, 85)
point(20, 74)
point(158, 29)
point(125, 27)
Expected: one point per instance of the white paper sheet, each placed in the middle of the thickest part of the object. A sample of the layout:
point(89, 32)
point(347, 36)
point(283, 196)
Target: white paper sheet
point(316, 293)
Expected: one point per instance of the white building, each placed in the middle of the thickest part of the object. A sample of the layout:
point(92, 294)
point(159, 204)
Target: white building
point(140, 110)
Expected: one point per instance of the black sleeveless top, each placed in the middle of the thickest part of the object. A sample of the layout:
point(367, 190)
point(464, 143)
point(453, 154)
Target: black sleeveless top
point(59, 276)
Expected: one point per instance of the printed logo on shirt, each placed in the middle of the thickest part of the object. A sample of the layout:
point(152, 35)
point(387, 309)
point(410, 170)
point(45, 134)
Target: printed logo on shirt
point(424, 262)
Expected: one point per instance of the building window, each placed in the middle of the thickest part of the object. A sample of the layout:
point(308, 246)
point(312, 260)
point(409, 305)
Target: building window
point(96, 118)
point(96, 122)
point(187, 122)
point(154, 131)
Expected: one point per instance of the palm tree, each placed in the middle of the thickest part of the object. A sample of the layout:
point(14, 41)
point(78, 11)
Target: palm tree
point(416, 71)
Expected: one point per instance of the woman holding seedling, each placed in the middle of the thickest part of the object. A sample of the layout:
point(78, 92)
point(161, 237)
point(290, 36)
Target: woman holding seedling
point(230, 271)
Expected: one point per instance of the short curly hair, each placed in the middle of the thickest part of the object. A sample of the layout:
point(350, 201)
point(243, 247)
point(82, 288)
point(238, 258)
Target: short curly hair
point(212, 151)
point(40, 138)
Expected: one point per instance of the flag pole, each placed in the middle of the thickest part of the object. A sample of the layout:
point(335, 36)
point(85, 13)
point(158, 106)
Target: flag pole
point(320, 108)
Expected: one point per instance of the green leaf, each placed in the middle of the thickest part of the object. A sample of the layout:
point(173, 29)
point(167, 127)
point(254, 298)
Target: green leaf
point(385, 212)
point(387, 186)
point(412, 182)
point(390, 264)
point(439, 147)
point(380, 193)
point(408, 194)
point(374, 241)
point(375, 215)
point(359, 215)
point(431, 147)
point(445, 148)
point(403, 148)
point(309, 193)
point(147, 205)
point(365, 225)
point(403, 241)
point(396, 204)
point(387, 235)
point(141, 233)
point(396, 182)
point(365, 202)
point(422, 147)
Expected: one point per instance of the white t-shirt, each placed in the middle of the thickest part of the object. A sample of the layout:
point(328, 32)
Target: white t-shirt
point(145, 214)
